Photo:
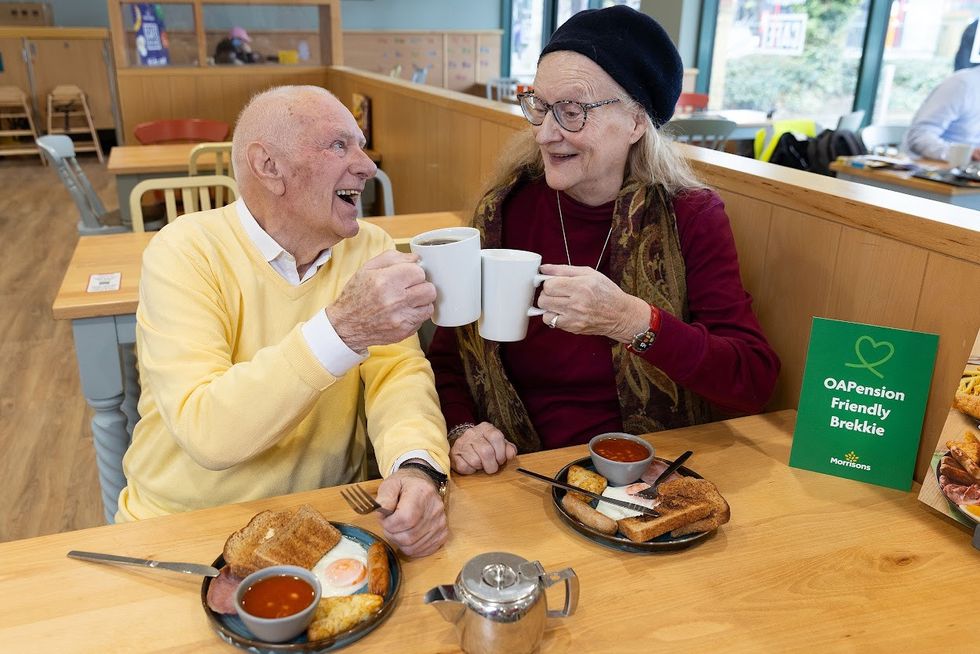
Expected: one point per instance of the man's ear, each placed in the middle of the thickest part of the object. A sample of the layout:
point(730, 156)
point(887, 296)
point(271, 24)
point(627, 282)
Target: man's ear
point(264, 168)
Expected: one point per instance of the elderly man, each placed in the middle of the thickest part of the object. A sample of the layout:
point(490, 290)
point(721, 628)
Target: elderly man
point(265, 326)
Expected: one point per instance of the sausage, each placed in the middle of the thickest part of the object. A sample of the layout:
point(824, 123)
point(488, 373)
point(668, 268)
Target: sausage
point(377, 569)
point(589, 516)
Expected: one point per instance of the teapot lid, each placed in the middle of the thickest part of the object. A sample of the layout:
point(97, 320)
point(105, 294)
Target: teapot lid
point(499, 577)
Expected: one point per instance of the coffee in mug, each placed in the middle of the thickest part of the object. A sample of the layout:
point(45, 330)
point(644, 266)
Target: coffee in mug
point(509, 280)
point(451, 260)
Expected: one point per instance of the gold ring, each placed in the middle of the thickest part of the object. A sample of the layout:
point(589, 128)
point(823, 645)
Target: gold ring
point(554, 322)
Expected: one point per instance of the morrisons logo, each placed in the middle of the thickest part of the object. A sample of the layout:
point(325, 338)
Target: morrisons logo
point(850, 460)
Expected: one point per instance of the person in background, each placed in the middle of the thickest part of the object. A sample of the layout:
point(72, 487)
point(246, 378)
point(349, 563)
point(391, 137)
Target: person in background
point(950, 114)
point(962, 58)
point(236, 48)
point(647, 325)
point(266, 327)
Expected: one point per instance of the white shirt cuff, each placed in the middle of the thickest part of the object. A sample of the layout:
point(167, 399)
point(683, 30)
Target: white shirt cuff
point(328, 347)
point(416, 454)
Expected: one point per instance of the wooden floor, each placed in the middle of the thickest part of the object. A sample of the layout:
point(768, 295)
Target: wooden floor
point(47, 462)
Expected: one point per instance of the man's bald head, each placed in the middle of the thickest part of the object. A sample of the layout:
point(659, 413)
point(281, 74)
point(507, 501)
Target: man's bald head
point(279, 118)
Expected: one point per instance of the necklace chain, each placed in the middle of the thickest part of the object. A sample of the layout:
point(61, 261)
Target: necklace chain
point(568, 256)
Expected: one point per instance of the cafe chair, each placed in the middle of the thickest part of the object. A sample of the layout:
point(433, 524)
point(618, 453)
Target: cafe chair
point(222, 164)
point(802, 127)
point(704, 132)
point(59, 151)
point(195, 195)
point(383, 183)
point(688, 103)
point(17, 130)
point(883, 139)
point(70, 104)
point(852, 121)
point(502, 89)
point(181, 130)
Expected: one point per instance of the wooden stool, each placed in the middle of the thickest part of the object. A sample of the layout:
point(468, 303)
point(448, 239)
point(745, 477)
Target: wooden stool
point(14, 111)
point(70, 103)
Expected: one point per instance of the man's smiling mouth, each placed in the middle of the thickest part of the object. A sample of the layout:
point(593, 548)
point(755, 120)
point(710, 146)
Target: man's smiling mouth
point(349, 195)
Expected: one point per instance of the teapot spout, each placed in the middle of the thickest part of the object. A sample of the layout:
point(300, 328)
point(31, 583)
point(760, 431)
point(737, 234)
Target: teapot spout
point(444, 599)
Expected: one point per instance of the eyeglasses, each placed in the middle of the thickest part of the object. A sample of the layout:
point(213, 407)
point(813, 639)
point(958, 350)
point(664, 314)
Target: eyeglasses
point(569, 115)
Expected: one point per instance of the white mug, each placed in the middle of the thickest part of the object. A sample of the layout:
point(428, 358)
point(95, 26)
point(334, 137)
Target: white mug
point(958, 155)
point(509, 280)
point(451, 260)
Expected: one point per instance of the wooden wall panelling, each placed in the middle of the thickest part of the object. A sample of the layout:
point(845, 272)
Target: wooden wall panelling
point(947, 305)
point(488, 57)
point(750, 220)
point(14, 69)
point(73, 61)
point(456, 138)
point(877, 280)
point(799, 273)
point(461, 57)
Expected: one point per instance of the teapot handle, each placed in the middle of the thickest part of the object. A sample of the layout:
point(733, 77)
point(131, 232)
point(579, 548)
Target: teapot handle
point(571, 591)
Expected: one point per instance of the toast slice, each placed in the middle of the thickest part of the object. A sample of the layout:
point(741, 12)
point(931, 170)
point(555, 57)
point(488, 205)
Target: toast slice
point(700, 490)
point(644, 527)
point(303, 541)
point(239, 552)
point(687, 505)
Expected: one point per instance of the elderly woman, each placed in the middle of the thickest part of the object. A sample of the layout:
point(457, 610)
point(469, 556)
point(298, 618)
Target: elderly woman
point(647, 325)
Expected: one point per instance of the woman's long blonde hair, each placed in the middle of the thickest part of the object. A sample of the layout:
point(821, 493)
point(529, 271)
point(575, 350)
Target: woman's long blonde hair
point(652, 160)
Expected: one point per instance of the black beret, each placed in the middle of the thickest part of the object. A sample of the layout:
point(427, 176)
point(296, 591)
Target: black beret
point(633, 48)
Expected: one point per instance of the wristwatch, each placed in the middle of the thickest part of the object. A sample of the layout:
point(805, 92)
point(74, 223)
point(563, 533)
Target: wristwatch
point(441, 480)
point(642, 341)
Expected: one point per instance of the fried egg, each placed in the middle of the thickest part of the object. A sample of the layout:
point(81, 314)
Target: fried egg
point(620, 493)
point(972, 509)
point(342, 570)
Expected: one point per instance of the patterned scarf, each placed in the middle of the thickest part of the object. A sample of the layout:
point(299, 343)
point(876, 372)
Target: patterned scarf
point(645, 261)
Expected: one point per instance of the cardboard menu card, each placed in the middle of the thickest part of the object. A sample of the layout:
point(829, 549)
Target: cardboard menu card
point(862, 402)
point(952, 485)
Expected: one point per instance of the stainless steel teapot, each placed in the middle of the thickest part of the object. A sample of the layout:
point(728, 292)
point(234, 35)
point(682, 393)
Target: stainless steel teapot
point(498, 604)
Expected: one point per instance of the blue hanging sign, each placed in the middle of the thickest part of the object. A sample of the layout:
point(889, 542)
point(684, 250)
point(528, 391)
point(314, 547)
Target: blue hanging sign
point(151, 35)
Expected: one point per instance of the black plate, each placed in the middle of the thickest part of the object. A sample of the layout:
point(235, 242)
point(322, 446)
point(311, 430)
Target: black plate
point(971, 519)
point(664, 543)
point(232, 630)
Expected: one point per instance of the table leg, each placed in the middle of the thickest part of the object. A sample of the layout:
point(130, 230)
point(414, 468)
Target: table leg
point(100, 371)
point(124, 187)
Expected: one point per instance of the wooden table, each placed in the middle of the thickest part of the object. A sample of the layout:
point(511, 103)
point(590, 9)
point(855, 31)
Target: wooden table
point(104, 329)
point(903, 182)
point(131, 164)
point(747, 122)
point(809, 562)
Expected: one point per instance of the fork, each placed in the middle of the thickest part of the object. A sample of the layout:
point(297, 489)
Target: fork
point(361, 501)
point(652, 492)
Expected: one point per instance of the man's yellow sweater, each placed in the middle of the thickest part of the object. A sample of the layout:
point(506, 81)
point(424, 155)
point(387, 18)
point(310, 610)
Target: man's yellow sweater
point(234, 404)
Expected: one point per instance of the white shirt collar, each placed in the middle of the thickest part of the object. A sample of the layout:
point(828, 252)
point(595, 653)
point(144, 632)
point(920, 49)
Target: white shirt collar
point(281, 261)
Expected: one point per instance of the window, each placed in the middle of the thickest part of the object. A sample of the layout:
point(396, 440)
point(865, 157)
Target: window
point(526, 32)
point(793, 58)
point(922, 39)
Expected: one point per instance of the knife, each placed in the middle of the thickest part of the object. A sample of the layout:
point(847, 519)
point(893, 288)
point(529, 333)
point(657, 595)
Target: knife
point(186, 568)
point(628, 505)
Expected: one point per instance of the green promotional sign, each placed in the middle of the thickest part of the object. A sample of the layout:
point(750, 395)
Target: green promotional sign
point(862, 402)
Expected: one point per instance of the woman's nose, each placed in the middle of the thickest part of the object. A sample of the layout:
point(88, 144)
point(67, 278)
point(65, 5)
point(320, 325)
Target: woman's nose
point(548, 131)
